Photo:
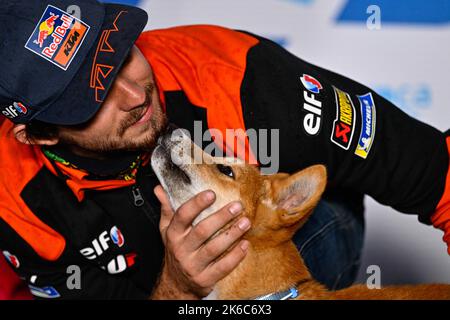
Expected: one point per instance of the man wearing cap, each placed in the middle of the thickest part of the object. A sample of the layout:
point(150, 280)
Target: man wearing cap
point(86, 99)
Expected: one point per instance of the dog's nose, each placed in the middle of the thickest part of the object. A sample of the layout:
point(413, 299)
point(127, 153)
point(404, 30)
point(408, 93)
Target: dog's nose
point(170, 128)
point(167, 132)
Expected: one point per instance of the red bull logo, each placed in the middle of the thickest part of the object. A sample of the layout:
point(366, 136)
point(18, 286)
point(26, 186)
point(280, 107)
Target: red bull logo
point(57, 37)
point(46, 29)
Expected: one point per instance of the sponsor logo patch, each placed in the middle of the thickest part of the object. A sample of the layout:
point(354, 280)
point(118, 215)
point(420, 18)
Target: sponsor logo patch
point(311, 83)
point(12, 259)
point(103, 243)
point(15, 110)
point(368, 125)
point(344, 125)
point(120, 263)
point(45, 292)
point(312, 121)
point(57, 37)
point(117, 236)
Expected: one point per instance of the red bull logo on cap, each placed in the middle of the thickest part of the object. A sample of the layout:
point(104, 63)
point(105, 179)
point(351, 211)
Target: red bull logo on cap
point(57, 37)
point(46, 28)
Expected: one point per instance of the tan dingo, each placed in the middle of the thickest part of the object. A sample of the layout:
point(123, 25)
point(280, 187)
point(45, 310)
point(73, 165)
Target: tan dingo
point(277, 207)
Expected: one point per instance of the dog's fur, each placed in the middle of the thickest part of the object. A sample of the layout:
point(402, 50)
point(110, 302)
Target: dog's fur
point(277, 207)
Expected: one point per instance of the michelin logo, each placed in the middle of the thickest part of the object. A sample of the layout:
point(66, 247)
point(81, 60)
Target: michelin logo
point(45, 292)
point(368, 114)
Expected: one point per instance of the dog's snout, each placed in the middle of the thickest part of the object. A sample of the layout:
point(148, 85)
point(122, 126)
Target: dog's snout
point(170, 128)
point(174, 136)
point(171, 135)
point(167, 133)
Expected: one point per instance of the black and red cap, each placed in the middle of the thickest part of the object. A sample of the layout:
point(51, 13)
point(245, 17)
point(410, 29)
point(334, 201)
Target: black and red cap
point(59, 58)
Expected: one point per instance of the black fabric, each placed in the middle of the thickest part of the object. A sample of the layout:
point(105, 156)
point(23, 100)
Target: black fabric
point(185, 114)
point(81, 223)
point(407, 164)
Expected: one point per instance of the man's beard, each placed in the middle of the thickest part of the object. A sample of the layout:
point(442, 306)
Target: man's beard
point(104, 145)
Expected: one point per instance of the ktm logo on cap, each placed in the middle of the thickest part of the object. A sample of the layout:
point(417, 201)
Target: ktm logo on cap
point(15, 110)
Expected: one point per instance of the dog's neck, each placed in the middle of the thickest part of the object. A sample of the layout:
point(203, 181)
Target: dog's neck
point(265, 271)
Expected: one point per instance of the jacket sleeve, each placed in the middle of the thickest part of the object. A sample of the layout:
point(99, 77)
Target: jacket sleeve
point(367, 144)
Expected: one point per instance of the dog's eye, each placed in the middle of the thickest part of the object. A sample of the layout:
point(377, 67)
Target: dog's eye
point(226, 170)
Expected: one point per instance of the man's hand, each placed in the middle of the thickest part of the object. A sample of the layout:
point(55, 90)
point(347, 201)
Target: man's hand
point(192, 267)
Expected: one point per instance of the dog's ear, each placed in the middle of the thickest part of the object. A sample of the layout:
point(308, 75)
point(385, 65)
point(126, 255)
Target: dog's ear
point(296, 195)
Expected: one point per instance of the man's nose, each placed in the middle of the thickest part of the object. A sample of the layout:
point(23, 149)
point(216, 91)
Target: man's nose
point(130, 93)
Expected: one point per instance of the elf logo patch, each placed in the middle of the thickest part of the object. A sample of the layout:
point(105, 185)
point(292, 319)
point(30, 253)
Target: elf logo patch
point(15, 110)
point(344, 125)
point(57, 37)
point(102, 243)
point(312, 122)
point(12, 259)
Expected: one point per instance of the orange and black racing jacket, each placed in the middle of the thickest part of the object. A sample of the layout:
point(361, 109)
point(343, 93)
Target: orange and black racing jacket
point(54, 217)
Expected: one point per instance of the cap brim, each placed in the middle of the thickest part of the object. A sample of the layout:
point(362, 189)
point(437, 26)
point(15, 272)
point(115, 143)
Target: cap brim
point(85, 94)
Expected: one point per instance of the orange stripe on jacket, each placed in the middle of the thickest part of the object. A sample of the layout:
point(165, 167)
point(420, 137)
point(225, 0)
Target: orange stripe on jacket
point(19, 163)
point(208, 63)
point(441, 218)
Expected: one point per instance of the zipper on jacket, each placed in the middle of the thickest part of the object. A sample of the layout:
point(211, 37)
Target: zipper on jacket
point(145, 206)
point(137, 197)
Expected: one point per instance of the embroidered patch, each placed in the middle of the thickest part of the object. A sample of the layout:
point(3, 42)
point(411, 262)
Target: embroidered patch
point(12, 259)
point(117, 236)
point(45, 292)
point(15, 110)
point(57, 37)
point(312, 121)
point(344, 124)
point(368, 126)
point(311, 83)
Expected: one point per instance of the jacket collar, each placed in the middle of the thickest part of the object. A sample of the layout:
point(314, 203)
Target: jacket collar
point(80, 180)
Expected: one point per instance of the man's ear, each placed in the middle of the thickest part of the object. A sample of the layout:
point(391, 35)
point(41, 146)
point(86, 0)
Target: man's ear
point(295, 196)
point(21, 135)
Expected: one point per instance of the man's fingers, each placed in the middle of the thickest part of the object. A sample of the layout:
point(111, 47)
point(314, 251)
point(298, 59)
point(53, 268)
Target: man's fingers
point(223, 242)
point(166, 209)
point(209, 226)
point(186, 214)
point(221, 268)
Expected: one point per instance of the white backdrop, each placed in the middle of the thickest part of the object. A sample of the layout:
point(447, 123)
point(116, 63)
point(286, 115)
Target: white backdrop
point(407, 60)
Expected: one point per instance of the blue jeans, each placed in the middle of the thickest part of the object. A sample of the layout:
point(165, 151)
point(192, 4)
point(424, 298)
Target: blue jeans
point(331, 242)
